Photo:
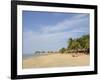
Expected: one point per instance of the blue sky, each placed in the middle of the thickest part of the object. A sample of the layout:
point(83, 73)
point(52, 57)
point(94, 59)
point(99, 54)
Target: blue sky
point(47, 31)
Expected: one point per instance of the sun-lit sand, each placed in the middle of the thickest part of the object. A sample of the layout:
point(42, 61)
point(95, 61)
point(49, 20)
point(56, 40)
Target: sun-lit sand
point(56, 60)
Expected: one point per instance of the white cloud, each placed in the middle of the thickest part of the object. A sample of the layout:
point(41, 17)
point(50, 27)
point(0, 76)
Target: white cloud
point(65, 25)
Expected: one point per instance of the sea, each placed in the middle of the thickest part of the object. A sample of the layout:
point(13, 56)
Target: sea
point(25, 56)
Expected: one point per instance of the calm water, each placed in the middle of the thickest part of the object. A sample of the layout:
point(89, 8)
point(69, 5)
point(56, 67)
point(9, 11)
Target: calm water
point(25, 56)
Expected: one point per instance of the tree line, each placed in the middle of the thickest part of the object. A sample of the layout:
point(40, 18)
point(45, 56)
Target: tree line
point(77, 45)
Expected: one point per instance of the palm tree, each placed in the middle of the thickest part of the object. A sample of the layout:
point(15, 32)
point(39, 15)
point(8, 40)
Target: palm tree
point(70, 43)
point(79, 43)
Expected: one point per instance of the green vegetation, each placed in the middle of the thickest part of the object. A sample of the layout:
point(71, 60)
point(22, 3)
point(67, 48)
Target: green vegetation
point(62, 50)
point(79, 43)
point(75, 45)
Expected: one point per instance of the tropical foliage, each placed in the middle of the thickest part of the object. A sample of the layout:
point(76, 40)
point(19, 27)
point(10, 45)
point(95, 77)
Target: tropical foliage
point(77, 44)
point(62, 50)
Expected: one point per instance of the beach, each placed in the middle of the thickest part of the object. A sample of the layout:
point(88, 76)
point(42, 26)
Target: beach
point(56, 60)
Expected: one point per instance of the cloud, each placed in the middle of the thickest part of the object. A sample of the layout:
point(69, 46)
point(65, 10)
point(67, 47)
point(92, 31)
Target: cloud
point(66, 24)
point(55, 37)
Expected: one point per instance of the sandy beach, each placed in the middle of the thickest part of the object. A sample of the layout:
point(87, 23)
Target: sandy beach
point(56, 60)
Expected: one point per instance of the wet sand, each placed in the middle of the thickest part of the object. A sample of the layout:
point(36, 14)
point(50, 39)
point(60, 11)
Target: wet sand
point(56, 60)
